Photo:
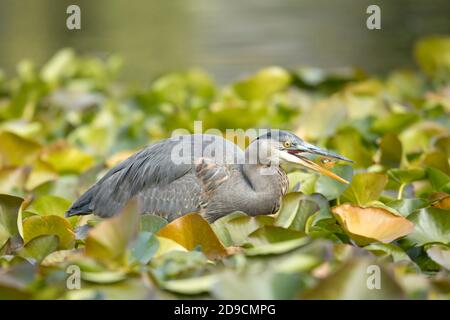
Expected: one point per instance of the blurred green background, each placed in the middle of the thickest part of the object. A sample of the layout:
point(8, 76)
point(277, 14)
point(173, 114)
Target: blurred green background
point(227, 38)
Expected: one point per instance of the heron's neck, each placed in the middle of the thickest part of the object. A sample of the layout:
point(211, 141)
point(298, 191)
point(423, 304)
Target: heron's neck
point(269, 180)
point(267, 186)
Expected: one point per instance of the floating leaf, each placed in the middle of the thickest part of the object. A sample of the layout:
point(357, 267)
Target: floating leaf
point(50, 205)
point(103, 276)
point(407, 206)
point(394, 123)
point(296, 208)
point(405, 176)
point(438, 160)
point(391, 150)
point(167, 245)
point(349, 143)
point(240, 226)
point(388, 249)
point(220, 227)
point(273, 234)
point(321, 120)
point(263, 84)
point(36, 226)
point(366, 225)
point(59, 257)
point(276, 248)
point(41, 173)
point(192, 230)
point(190, 286)
point(12, 179)
point(330, 188)
point(433, 55)
point(67, 159)
point(431, 225)
point(365, 187)
point(9, 212)
point(145, 247)
point(16, 150)
point(152, 223)
point(39, 247)
point(440, 254)
point(109, 240)
point(439, 180)
point(355, 280)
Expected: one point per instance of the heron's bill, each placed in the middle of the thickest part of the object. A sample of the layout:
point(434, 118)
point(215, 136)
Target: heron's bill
point(314, 166)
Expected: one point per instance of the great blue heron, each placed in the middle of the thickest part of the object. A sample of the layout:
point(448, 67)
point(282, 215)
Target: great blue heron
point(205, 174)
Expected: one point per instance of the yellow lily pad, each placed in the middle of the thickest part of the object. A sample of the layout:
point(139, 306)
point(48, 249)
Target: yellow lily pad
point(67, 159)
point(366, 225)
point(191, 231)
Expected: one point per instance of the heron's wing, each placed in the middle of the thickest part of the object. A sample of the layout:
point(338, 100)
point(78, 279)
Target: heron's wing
point(171, 201)
point(149, 167)
point(154, 167)
point(190, 193)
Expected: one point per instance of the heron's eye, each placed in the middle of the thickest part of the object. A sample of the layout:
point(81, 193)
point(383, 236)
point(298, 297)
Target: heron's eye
point(287, 144)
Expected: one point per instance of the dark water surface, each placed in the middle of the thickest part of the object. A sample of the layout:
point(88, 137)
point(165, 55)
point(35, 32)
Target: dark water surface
point(228, 38)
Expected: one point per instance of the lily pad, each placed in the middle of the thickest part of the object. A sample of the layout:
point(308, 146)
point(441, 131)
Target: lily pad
point(39, 247)
point(191, 231)
point(36, 226)
point(353, 281)
point(9, 213)
point(432, 225)
point(109, 240)
point(364, 188)
point(145, 247)
point(366, 225)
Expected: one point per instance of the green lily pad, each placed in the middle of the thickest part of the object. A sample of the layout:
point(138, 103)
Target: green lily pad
point(432, 54)
point(50, 205)
point(272, 234)
point(364, 188)
point(439, 180)
point(405, 176)
point(431, 225)
point(145, 247)
point(407, 206)
point(296, 208)
point(388, 249)
point(263, 84)
point(240, 227)
point(357, 279)
point(220, 227)
point(190, 286)
point(35, 226)
point(394, 123)
point(391, 150)
point(39, 247)
point(152, 223)
point(9, 212)
point(330, 188)
point(104, 277)
point(438, 160)
point(109, 240)
point(276, 248)
point(16, 150)
point(440, 254)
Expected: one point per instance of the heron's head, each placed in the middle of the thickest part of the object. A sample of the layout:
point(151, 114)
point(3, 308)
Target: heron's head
point(278, 146)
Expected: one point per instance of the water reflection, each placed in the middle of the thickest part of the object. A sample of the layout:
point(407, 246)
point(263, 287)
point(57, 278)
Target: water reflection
point(227, 38)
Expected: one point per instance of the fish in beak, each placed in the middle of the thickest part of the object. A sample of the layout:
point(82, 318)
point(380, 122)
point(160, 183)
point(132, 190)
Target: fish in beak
point(299, 155)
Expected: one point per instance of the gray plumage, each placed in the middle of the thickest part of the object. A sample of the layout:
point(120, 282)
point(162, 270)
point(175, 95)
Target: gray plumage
point(213, 178)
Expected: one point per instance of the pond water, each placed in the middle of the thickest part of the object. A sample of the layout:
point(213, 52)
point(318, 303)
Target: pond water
point(227, 38)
